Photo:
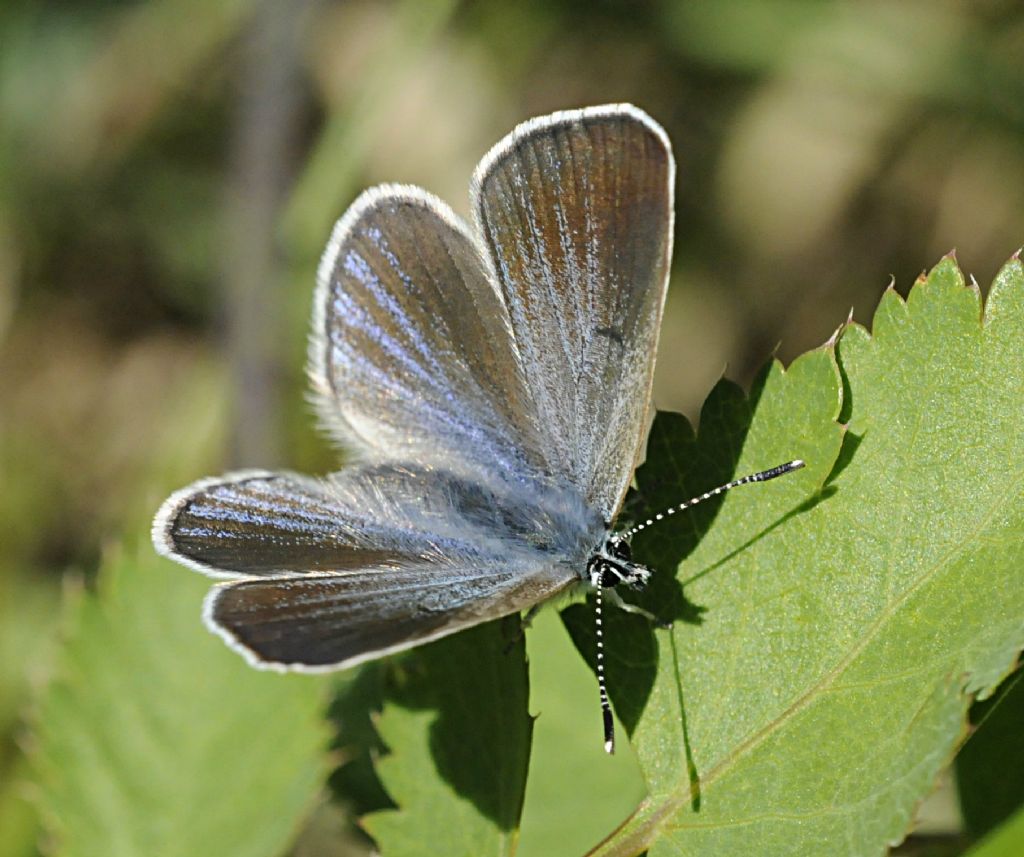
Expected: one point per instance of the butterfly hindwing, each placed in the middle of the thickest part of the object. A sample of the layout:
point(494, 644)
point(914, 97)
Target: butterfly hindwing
point(332, 621)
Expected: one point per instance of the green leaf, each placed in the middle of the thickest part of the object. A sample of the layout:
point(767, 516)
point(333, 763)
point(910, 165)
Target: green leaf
point(354, 710)
point(456, 725)
point(560, 817)
point(27, 633)
point(841, 618)
point(156, 739)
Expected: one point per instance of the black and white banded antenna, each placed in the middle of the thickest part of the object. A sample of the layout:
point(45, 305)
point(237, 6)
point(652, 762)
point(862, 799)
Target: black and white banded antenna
point(762, 476)
point(606, 706)
point(615, 558)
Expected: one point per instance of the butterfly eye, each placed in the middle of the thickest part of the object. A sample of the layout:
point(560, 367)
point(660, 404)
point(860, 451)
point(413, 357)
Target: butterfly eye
point(620, 549)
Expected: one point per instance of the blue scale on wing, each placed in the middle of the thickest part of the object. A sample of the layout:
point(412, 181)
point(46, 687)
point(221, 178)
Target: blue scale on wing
point(376, 558)
point(412, 359)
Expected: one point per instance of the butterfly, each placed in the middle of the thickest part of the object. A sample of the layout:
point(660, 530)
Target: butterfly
point(491, 384)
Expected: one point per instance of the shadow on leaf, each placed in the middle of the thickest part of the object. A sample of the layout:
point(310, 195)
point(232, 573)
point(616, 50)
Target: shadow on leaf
point(479, 740)
point(357, 701)
point(851, 443)
point(679, 465)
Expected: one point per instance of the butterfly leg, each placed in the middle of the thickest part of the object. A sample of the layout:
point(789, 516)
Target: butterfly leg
point(524, 623)
point(613, 597)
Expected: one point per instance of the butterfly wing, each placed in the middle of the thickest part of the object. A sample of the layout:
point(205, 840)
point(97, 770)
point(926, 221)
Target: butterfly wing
point(575, 210)
point(256, 523)
point(332, 621)
point(411, 355)
point(376, 559)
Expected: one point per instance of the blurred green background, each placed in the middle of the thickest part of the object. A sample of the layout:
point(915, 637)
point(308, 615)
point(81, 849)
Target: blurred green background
point(170, 169)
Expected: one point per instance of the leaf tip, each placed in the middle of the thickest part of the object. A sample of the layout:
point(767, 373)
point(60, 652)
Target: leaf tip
point(892, 292)
point(833, 340)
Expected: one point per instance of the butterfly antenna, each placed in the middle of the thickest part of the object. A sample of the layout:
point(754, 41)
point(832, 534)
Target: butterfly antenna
point(763, 476)
point(606, 708)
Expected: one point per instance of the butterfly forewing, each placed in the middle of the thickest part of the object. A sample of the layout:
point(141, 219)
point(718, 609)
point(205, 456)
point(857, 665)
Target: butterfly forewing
point(411, 356)
point(576, 210)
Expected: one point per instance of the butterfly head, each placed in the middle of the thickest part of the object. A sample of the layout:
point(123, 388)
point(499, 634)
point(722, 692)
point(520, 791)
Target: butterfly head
point(612, 564)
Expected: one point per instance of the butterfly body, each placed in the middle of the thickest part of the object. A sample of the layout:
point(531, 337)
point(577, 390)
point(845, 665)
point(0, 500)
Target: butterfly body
point(612, 565)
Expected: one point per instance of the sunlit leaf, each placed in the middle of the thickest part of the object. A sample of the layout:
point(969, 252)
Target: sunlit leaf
point(456, 726)
point(847, 612)
point(560, 817)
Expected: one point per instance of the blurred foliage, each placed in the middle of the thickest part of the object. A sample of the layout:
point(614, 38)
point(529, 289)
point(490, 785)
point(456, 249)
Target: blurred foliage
point(823, 146)
point(1004, 841)
point(990, 767)
point(154, 740)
